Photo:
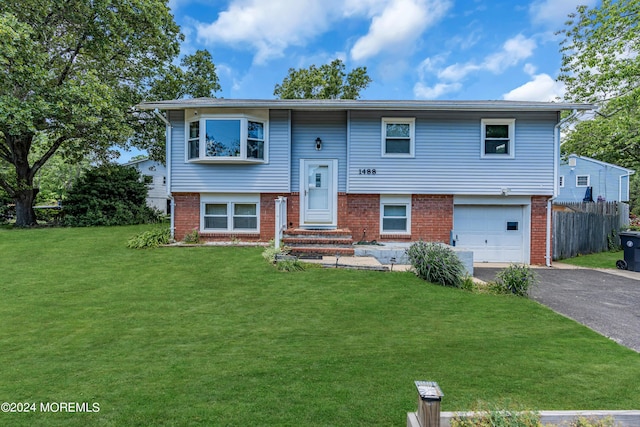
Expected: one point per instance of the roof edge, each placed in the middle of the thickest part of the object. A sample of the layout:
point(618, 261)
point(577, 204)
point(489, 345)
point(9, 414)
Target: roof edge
point(603, 163)
point(348, 104)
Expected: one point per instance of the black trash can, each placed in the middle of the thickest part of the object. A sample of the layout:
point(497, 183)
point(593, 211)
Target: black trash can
point(630, 241)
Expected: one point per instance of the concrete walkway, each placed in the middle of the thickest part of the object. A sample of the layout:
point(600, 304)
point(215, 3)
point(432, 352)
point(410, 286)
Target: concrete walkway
point(364, 262)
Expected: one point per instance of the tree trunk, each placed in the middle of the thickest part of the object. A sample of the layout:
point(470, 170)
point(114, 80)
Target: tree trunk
point(25, 214)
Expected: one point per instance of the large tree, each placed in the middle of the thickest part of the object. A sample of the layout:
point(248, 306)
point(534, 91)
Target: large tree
point(70, 72)
point(195, 77)
point(329, 81)
point(601, 64)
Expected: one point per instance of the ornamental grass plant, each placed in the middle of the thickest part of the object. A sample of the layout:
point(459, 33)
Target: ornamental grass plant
point(436, 263)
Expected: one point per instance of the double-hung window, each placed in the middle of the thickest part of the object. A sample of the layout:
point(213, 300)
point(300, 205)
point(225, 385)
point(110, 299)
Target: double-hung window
point(238, 213)
point(395, 214)
point(582, 180)
point(398, 137)
point(227, 139)
point(498, 138)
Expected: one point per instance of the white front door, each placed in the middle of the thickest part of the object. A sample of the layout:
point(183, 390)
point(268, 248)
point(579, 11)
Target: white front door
point(318, 193)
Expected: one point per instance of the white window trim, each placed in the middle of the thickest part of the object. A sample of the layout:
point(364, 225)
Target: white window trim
point(512, 138)
point(411, 121)
point(395, 200)
point(561, 181)
point(244, 131)
point(229, 200)
point(588, 181)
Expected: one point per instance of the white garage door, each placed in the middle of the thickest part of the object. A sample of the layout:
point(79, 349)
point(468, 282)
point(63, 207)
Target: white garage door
point(493, 233)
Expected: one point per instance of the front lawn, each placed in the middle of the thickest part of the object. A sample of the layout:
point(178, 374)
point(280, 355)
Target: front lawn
point(599, 260)
point(216, 336)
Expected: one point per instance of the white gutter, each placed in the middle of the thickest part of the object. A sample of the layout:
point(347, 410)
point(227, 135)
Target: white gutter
point(167, 146)
point(556, 161)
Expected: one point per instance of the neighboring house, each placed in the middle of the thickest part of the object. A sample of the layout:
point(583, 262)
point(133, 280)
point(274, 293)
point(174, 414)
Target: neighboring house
point(155, 175)
point(585, 179)
point(477, 174)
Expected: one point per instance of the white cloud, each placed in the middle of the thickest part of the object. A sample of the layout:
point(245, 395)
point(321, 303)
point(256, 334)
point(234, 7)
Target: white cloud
point(429, 65)
point(541, 88)
point(554, 13)
point(513, 51)
point(530, 69)
point(399, 25)
point(269, 27)
point(422, 91)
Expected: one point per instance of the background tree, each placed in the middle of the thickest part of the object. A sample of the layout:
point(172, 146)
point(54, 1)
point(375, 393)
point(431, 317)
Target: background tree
point(196, 77)
point(329, 81)
point(601, 65)
point(70, 73)
point(108, 195)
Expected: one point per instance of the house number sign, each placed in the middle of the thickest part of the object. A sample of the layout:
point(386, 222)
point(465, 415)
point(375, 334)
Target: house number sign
point(366, 171)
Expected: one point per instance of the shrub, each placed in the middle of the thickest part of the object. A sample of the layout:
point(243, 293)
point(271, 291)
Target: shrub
point(7, 208)
point(193, 237)
point(515, 279)
point(290, 265)
point(108, 195)
point(592, 422)
point(270, 254)
point(497, 417)
point(436, 263)
point(150, 239)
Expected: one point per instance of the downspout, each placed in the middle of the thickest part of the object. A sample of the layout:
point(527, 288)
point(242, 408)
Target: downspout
point(556, 160)
point(628, 176)
point(167, 147)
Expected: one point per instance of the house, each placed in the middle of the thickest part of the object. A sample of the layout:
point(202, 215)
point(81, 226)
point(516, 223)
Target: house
point(479, 175)
point(155, 175)
point(585, 179)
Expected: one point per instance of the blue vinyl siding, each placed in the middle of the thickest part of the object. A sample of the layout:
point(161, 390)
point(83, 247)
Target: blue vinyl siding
point(331, 127)
point(447, 155)
point(604, 178)
point(271, 177)
point(447, 159)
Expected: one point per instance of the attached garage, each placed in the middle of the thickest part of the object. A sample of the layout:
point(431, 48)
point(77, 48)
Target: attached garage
point(495, 233)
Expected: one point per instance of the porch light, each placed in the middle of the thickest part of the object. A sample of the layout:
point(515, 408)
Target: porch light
point(318, 144)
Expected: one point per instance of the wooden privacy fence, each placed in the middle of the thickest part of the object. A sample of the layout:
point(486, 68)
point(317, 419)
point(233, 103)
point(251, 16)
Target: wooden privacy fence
point(585, 228)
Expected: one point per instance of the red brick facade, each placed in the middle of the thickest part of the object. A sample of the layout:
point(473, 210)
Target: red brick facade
point(431, 219)
point(186, 214)
point(539, 230)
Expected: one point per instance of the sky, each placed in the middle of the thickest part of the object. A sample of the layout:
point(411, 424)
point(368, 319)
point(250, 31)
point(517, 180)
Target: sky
point(413, 49)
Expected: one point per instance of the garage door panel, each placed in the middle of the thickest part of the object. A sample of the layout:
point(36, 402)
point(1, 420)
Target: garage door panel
point(493, 233)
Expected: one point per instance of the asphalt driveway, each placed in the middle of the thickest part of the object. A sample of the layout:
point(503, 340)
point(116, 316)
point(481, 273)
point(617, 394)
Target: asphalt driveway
point(607, 302)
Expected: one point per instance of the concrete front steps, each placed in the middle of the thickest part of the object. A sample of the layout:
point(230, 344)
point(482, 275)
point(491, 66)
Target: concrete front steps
point(305, 243)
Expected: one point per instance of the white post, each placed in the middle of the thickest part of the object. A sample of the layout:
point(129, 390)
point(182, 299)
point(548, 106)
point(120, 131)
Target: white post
point(281, 219)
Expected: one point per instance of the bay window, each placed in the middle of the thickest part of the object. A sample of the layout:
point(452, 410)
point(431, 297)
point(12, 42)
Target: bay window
point(226, 139)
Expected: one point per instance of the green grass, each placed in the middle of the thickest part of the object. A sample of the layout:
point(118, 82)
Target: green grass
point(216, 336)
point(599, 260)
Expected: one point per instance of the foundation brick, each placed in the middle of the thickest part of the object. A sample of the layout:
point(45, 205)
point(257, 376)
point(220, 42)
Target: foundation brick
point(431, 219)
